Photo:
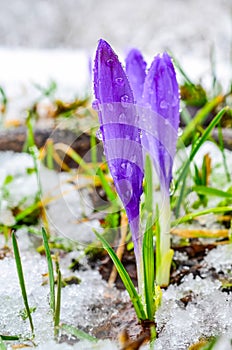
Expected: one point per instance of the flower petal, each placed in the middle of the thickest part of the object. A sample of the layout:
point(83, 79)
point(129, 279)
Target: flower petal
point(136, 72)
point(121, 136)
point(161, 96)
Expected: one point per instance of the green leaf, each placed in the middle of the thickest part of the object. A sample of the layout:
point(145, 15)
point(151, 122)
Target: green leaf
point(2, 345)
point(23, 313)
point(9, 337)
point(8, 179)
point(58, 301)
point(78, 333)
point(198, 119)
point(210, 191)
point(135, 298)
point(149, 268)
point(148, 190)
point(222, 149)
point(50, 271)
point(21, 279)
point(191, 216)
point(111, 195)
point(199, 143)
point(93, 147)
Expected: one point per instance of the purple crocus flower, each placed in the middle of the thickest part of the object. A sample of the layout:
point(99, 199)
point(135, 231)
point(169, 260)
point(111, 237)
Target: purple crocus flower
point(121, 136)
point(161, 113)
point(152, 109)
point(157, 96)
point(161, 98)
point(136, 72)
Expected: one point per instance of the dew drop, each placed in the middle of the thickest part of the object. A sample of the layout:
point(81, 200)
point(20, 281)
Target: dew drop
point(172, 188)
point(124, 100)
point(99, 134)
point(128, 194)
point(151, 91)
point(109, 62)
point(96, 105)
point(133, 158)
point(110, 107)
point(119, 81)
point(128, 169)
point(122, 118)
point(180, 132)
point(163, 104)
point(174, 101)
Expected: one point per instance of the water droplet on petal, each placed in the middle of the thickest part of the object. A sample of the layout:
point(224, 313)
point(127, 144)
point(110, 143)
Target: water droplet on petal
point(180, 132)
point(109, 62)
point(110, 107)
point(122, 118)
point(124, 100)
point(163, 104)
point(128, 194)
point(151, 91)
point(174, 101)
point(128, 169)
point(96, 105)
point(133, 158)
point(119, 81)
point(113, 171)
point(136, 119)
point(99, 135)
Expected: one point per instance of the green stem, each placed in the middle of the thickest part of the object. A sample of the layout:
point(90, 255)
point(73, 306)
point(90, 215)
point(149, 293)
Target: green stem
point(164, 253)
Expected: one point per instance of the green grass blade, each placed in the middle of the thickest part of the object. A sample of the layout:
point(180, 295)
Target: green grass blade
point(199, 143)
point(181, 70)
point(198, 119)
point(222, 149)
point(50, 151)
point(135, 298)
point(9, 337)
point(210, 191)
point(111, 195)
point(191, 216)
point(180, 197)
point(21, 279)
point(78, 333)
point(50, 271)
point(93, 148)
point(27, 211)
point(2, 345)
point(158, 238)
point(149, 268)
point(148, 190)
point(58, 302)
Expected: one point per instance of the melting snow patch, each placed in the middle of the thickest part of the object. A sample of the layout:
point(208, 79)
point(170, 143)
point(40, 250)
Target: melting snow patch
point(207, 313)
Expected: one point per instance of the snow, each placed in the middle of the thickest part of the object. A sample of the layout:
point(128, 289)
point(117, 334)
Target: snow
point(76, 307)
point(55, 41)
point(178, 326)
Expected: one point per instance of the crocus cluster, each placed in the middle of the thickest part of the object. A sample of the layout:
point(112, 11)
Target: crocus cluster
point(138, 114)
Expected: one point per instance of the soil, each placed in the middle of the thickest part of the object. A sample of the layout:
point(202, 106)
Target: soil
point(124, 324)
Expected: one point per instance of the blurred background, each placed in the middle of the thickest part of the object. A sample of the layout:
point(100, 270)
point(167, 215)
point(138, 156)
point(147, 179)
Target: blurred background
point(182, 25)
point(56, 39)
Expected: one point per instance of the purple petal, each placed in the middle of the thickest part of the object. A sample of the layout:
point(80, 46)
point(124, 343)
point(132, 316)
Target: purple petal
point(136, 72)
point(161, 95)
point(121, 136)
